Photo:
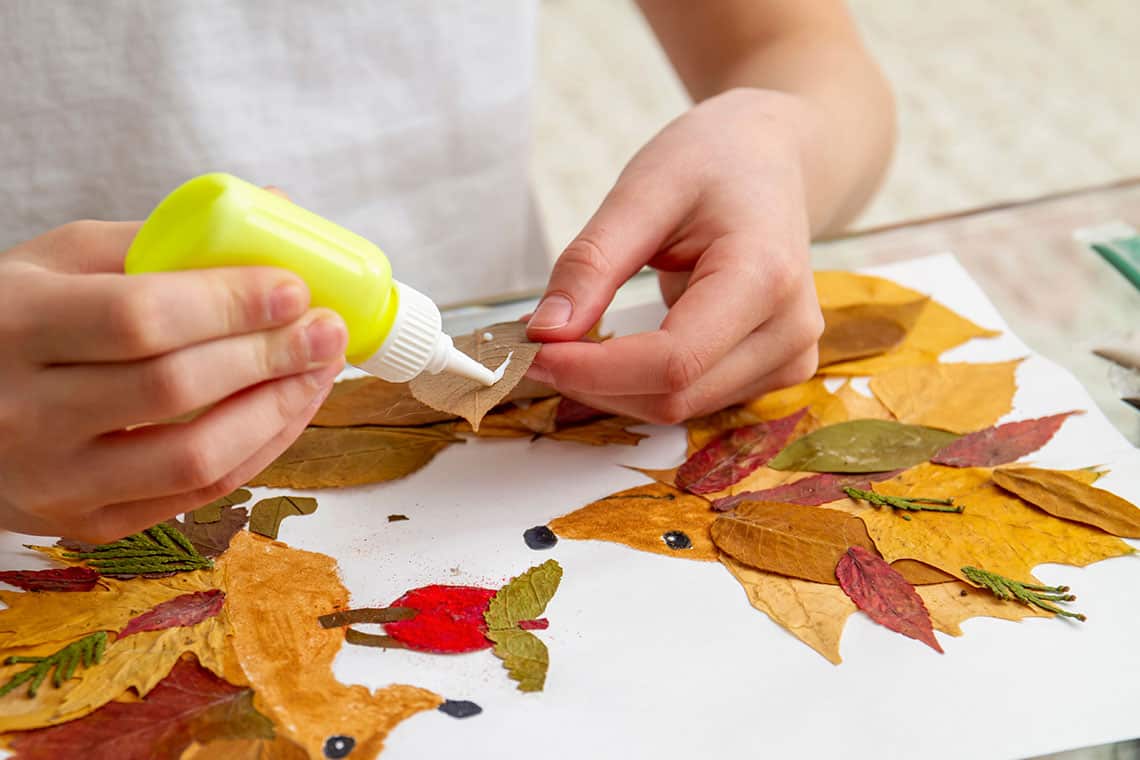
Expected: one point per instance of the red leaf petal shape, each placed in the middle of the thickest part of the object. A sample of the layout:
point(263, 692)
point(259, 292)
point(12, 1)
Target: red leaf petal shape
point(191, 704)
point(67, 579)
point(880, 591)
point(1000, 444)
point(448, 619)
point(732, 455)
point(188, 609)
point(809, 492)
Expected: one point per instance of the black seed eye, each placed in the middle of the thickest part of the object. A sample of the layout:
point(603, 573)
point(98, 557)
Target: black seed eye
point(339, 746)
point(540, 537)
point(459, 708)
point(675, 539)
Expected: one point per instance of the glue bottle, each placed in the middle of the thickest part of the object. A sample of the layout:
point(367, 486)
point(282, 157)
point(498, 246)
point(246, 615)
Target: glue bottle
point(217, 220)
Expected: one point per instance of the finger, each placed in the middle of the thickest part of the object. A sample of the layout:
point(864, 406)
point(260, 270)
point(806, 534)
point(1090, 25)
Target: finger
point(107, 317)
point(623, 235)
point(171, 459)
point(82, 247)
point(99, 398)
point(730, 294)
point(672, 285)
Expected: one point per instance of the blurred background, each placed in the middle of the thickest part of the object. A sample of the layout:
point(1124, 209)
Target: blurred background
point(997, 101)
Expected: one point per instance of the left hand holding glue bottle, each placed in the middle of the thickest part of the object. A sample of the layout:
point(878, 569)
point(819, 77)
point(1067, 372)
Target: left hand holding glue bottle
point(239, 303)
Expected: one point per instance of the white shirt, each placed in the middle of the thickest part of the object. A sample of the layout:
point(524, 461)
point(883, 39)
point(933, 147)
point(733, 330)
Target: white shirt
point(406, 121)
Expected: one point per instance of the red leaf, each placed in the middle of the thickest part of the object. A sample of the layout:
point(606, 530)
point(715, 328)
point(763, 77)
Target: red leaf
point(1001, 444)
point(571, 412)
point(67, 579)
point(191, 704)
point(880, 591)
point(810, 491)
point(732, 455)
point(188, 609)
point(448, 619)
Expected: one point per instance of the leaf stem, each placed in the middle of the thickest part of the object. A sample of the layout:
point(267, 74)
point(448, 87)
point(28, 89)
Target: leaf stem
point(904, 504)
point(1031, 594)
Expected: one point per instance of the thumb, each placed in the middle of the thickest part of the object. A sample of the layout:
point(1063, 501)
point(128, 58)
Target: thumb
point(622, 236)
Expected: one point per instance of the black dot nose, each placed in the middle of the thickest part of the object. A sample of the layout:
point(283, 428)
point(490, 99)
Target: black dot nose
point(459, 708)
point(677, 540)
point(339, 746)
point(540, 537)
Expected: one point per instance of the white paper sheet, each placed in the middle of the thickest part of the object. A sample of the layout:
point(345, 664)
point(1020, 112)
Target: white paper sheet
point(657, 657)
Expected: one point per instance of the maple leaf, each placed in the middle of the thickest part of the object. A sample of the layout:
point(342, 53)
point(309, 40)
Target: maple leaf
point(267, 514)
point(190, 704)
point(1001, 444)
point(731, 456)
point(65, 579)
point(811, 491)
point(886, 597)
point(960, 397)
point(1059, 494)
point(861, 446)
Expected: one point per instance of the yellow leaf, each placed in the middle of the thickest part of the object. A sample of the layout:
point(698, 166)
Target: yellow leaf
point(785, 401)
point(862, 330)
point(849, 404)
point(1061, 495)
point(958, 397)
point(951, 603)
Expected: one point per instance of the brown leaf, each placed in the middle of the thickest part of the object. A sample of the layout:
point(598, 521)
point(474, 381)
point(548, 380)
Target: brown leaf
point(278, 748)
point(642, 517)
point(66, 579)
point(518, 421)
point(265, 520)
point(1001, 444)
point(1061, 495)
point(604, 432)
point(731, 456)
point(190, 704)
point(338, 457)
point(212, 512)
point(470, 399)
point(860, 330)
point(957, 397)
point(811, 491)
point(185, 610)
point(886, 597)
point(793, 540)
point(372, 401)
point(211, 539)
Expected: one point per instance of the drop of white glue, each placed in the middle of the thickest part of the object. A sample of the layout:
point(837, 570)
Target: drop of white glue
point(488, 337)
point(502, 369)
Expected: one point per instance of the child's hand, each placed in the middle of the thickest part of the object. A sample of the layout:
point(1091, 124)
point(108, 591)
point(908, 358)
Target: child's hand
point(716, 204)
point(90, 352)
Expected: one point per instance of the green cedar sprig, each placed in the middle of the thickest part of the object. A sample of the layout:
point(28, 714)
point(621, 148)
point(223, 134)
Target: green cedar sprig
point(904, 504)
point(86, 651)
point(161, 549)
point(1026, 593)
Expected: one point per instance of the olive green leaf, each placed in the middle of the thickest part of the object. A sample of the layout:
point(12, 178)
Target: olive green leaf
point(862, 446)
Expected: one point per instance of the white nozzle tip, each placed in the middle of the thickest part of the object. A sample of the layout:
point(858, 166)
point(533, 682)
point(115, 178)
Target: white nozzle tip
point(460, 363)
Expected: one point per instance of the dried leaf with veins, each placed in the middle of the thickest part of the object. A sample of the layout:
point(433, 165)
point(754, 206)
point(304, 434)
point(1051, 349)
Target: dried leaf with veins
point(952, 603)
point(641, 517)
point(523, 599)
point(185, 610)
point(811, 491)
point(960, 397)
point(1001, 444)
point(267, 514)
point(65, 579)
point(339, 457)
point(849, 404)
point(859, 330)
point(1062, 496)
point(211, 539)
point(862, 446)
point(604, 432)
point(470, 399)
point(701, 430)
point(518, 421)
point(886, 597)
point(733, 455)
point(212, 512)
point(372, 401)
point(776, 404)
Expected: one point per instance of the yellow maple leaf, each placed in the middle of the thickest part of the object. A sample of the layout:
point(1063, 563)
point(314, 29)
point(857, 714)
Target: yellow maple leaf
point(958, 397)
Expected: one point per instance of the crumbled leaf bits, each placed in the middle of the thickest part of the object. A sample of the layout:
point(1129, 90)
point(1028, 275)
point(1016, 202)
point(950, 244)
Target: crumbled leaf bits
point(354, 456)
point(87, 651)
point(1001, 444)
point(161, 549)
point(189, 705)
point(522, 600)
point(211, 539)
point(904, 504)
point(65, 579)
point(265, 520)
point(886, 597)
point(397, 518)
point(212, 512)
point(185, 610)
point(1033, 594)
point(862, 446)
point(732, 456)
point(470, 399)
point(866, 329)
point(811, 491)
point(1063, 496)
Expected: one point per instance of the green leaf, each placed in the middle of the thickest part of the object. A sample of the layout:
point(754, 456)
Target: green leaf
point(524, 598)
point(267, 514)
point(862, 446)
point(524, 656)
point(161, 549)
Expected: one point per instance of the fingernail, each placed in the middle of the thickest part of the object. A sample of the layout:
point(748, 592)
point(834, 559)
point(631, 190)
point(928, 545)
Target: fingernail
point(326, 337)
point(539, 374)
point(287, 301)
point(552, 313)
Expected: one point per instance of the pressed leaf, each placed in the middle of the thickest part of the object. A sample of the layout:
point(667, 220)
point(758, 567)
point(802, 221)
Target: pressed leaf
point(730, 457)
point(886, 597)
point(277, 748)
point(445, 619)
point(640, 517)
point(160, 549)
point(524, 656)
point(211, 539)
point(185, 610)
point(861, 446)
point(604, 432)
point(860, 330)
point(849, 404)
point(212, 512)
point(267, 514)
point(571, 412)
point(793, 540)
point(1001, 444)
point(65, 579)
point(338, 457)
point(518, 421)
point(701, 430)
point(470, 399)
point(960, 397)
point(952, 603)
point(273, 592)
point(997, 531)
point(525, 597)
point(810, 491)
point(372, 401)
point(785, 401)
point(1059, 494)
point(190, 704)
